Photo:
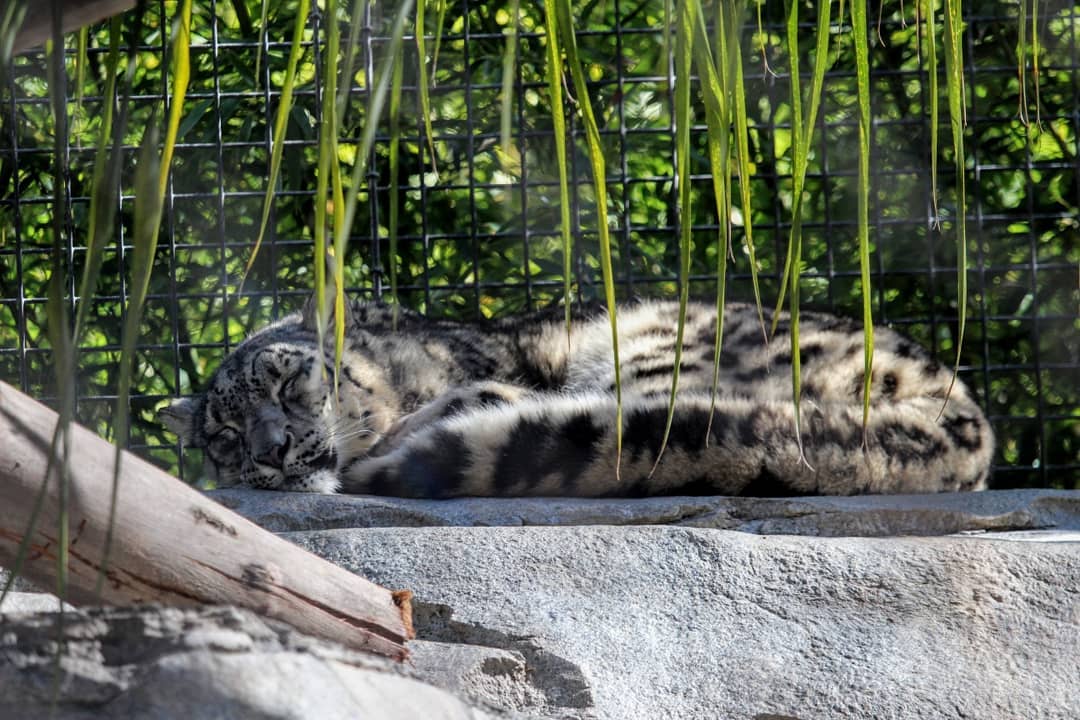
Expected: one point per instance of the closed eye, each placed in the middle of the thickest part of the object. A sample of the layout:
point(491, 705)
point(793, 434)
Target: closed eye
point(225, 445)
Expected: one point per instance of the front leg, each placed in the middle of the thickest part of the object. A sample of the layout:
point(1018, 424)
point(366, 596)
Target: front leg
point(453, 402)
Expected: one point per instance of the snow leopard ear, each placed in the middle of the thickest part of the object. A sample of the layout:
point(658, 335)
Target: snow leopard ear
point(311, 306)
point(179, 416)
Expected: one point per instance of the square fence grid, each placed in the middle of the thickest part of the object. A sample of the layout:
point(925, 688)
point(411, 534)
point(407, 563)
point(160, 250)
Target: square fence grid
point(478, 230)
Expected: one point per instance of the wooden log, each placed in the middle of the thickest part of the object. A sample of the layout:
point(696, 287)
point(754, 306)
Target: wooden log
point(37, 25)
point(171, 544)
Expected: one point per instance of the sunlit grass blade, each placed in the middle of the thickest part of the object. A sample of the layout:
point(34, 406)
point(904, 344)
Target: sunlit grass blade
point(80, 67)
point(1035, 60)
point(954, 74)
point(929, 13)
point(1022, 47)
point(684, 47)
point(105, 182)
point(764, 39)
point(802, 133)
point(599, 171)
point(554, 71)
point(328, 133)
point(795, 81)
point(1021, 64)
point(507, 96)
point(720, 90)
point(151, 184)
point(346, 83)
point(263, 15)
point(440, 21)
point(280, 122)
point(862, 79)
point(181, 59)
point(742, 157)
point(12, 15)
point(423, 82)
point(376, 102)
point(395, 182)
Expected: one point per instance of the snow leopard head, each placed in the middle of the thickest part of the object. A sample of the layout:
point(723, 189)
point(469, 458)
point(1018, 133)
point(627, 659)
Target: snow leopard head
point(269, 418)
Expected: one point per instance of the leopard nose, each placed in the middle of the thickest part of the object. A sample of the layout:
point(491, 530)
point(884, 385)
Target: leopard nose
point(271, 446)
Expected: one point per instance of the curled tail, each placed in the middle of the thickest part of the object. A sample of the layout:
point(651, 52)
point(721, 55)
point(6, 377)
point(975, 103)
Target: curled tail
point(565, 445)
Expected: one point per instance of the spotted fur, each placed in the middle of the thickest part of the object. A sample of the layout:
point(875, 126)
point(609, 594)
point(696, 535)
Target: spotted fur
point(515, 407)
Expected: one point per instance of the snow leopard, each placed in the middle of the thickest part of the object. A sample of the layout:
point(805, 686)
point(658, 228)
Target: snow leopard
point(524, 406)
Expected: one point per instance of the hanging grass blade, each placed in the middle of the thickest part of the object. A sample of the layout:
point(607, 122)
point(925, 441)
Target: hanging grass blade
point(684, 47)
point(718, 90)
point(376, 102)
point(862, 74)
point(742, 153)
point(598, 164)
point(181, 56)
point(954, 73)
point(932, 75)
point(12, 15)
point(80, 67)
point(105, 182)
point(151, 185)
point(148, 208)
point(346, 83)
point(423, 80)
point(554, 71)
point(507, 98)
point(328, 133)
point(395, 183)
point(802, 133)
point(440, 20)
point(263, 15)
point(280, 122)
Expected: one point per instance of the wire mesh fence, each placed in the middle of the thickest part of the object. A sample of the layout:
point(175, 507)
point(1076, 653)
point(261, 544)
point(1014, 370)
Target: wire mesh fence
point(479, 227)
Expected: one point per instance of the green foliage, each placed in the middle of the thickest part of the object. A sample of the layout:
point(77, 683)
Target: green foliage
point(483, 235)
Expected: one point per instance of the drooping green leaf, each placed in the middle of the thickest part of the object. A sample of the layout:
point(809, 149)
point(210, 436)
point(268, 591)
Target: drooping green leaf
point(802, 133)
point(395, 183)
point(106, 179)
point(12, 15)
point(328, 135)
point(507, 95)
point(742, 156)
point(554, 71)
point(684, 48)
point(932, 75)
point(862, 79)
point(181, 63)
point(424, 82)
point(280, 122)
point(376, 103)
point(722, 91)
point(151, 184)
point(954, 73)
point(599, 171)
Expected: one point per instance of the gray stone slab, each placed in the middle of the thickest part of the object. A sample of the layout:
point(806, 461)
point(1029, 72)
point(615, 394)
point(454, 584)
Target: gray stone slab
point(674, 622)
point(223, 663)
point(868, 515)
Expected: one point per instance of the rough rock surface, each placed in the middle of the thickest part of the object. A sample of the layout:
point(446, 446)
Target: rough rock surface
point(866, 515)
point(171, 664)
point(657, 622)
point(604, 618)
